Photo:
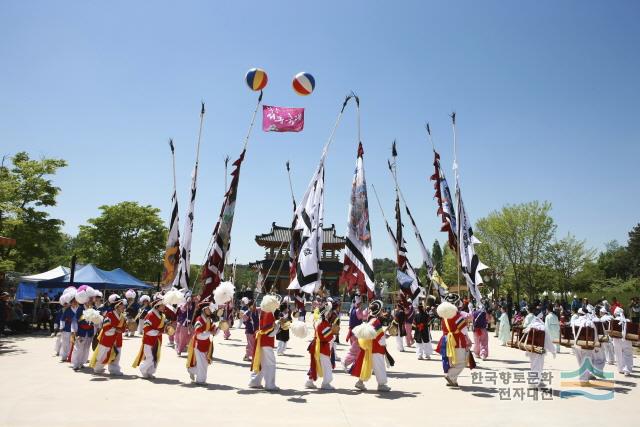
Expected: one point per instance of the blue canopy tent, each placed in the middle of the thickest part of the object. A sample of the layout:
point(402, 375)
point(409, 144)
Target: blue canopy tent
point(91, 275)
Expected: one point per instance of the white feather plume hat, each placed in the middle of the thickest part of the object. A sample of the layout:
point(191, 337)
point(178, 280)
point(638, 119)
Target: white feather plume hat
point(113, 298)
point(130, 294)
point(269, 303)
point(446, 310)
point(224, 293)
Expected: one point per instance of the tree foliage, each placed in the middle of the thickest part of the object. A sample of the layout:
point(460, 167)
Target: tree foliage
point(26, 190)
point(125, 235)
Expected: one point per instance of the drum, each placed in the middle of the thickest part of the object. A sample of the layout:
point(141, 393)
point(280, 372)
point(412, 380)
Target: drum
point(602, 332)
point(633, 330)
point(566, 336)
point(587, 338)
point(392, 330)
point(170, 329)
point(516, 333)
point(285, 324)
point(532, 341)
point(335, 329)
point(132, 325)
point(223, 325)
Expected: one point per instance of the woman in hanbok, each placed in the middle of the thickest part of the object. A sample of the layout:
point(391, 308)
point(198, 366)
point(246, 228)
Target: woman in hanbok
point(504, 329)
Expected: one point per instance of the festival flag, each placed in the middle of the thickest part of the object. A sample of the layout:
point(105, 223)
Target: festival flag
point(171, 258)
point(441, 287)
point(358, 255)
point(469, 262)
point(282, 119)
point(182, 279)
point(309, 217)
point(412, 289)
point(443, 197)
point(213, 269)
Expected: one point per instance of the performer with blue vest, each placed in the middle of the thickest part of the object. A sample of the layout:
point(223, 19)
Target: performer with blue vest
point(356, 316)
point(69, 325)
point(86, 330)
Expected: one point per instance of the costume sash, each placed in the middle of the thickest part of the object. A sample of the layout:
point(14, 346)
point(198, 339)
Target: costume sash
point(367, 361)
point(451, 345)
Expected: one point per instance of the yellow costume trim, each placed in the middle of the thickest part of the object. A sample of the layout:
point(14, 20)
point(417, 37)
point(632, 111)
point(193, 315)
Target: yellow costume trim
point(451, 345)
point(316, 354)
point(255, 365)
point(367, 362)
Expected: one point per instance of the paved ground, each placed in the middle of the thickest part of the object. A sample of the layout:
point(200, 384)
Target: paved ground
point(37, 389)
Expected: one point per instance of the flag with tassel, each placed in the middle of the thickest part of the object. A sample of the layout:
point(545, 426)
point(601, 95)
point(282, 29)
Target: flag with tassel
point(171, 259)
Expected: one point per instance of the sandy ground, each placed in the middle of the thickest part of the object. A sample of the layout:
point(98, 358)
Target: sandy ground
point(37, 389)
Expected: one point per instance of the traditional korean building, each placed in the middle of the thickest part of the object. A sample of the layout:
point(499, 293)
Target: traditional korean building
point(274, 268)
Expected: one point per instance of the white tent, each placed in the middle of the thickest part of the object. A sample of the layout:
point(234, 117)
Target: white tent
point(59, 271)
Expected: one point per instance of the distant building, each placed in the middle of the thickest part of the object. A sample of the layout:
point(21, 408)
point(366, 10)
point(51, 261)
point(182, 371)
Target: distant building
point(274, 268)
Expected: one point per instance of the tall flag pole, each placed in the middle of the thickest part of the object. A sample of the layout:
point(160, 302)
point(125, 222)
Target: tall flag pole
point(171, 258)
point(182, 279)
point(426, 255)
point(358, 256)
point(406, 279)
point(469, 261)
point(446, 208)
point(309, 221)
point(213, 268)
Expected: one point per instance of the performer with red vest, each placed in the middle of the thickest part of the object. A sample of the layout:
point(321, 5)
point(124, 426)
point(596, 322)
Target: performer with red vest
point(372, 341)
point(263, 364)
point(453, 345)
point(110, 338)
point(200, 350)
point(149, 354)
point(320, 351)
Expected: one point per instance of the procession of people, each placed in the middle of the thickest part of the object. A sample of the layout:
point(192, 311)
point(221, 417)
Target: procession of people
point(92, 333)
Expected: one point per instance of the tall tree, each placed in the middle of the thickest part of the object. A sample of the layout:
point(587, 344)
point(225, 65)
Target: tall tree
point(524, 232)
point(568, 256)
point(633, 249)
point(125, 235)
point(492, 254)
point(25, 189)
point(436, 254)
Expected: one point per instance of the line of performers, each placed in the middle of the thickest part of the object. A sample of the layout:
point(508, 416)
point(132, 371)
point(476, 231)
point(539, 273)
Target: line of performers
point(86, 323)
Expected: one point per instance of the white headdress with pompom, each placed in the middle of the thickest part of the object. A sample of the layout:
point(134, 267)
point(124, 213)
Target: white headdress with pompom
point(269, 303)
point(224, 293)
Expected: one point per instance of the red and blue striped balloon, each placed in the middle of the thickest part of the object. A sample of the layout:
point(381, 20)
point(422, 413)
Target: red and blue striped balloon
point(256, 79)
point(304, 83)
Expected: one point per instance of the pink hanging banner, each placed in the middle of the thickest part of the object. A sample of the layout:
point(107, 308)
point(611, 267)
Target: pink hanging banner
point(282, 119)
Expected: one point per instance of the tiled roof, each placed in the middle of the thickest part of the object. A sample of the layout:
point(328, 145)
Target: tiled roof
point(7, 242)
point(281, 234)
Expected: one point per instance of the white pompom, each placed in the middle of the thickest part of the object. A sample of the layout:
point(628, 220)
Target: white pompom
point(224, 293)
point(299, 329)
point(174, 296)
point(364, 331)
point(92, 316)
point(130, 294)
point(269, 303)
point(446, 310)
point(83, 296)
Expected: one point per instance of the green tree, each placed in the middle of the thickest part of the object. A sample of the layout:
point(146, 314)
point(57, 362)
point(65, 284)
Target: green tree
point(449, 271)
point(567, 257)
point(615, 261)
point(25, 189)
point(436, 254)
point(633, 250)
point(524, 233)
point(125, 235)
point(492, 254)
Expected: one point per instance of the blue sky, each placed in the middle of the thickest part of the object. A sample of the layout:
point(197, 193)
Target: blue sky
point(546, 94)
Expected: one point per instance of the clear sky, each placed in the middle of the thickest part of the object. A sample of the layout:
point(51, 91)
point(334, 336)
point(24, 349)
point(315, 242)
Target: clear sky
point(547, 95)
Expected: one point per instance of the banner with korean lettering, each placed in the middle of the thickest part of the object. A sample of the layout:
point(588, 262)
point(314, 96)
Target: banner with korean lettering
point(282, 119)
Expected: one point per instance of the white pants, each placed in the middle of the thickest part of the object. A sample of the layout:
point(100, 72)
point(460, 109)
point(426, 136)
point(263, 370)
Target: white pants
point(327, 370)
point(461, 363)
point(267, 370)
point(282, 346)
point(81, 352)
point(57, 344)
point(140, 326)
point(537, 364)
point(424, 349)
point(399, 344)
point(114, 367)
point(379, 368)
point(148, 365)
point(609, 353)
point(65, 345)
point(624, 355)
point(202, 365)
point(582, 356)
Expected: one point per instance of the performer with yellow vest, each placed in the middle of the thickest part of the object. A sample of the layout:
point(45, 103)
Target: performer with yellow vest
point(320, 351)
point(110, 338)
point(263, 364)
point(372, 341)
point(454, 344)
point(200, 349)
point(149, 354)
